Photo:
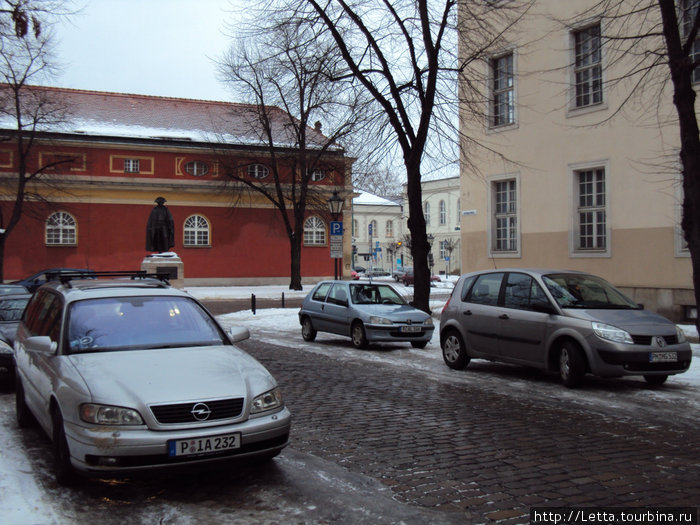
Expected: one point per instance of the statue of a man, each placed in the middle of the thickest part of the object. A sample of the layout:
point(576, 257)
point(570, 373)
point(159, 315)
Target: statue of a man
point(160, 230)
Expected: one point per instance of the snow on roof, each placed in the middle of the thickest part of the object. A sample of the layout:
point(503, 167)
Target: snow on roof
point(370, 199)
point(148, 117)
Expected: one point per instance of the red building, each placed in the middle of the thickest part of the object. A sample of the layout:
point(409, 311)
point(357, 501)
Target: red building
point(116, 153)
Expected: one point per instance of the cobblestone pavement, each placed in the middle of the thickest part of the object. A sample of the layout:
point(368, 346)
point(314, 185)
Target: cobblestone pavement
point(485, 456)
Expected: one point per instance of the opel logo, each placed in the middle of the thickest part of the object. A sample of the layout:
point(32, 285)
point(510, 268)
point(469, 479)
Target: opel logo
point(200, 412)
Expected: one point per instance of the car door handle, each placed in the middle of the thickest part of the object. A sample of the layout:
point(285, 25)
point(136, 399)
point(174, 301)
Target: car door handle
point(467, 312)
point(503, 316)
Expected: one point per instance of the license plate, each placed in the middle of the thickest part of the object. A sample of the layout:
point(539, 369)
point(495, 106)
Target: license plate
point(663, 357)
point(205, 445)
point(411, 328)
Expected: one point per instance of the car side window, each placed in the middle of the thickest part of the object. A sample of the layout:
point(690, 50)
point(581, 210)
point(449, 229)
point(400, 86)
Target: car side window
point(486, 289)
point(338, 295)
point(321, 292)
point(44, 315)
point(523, 292)
point(466, 286)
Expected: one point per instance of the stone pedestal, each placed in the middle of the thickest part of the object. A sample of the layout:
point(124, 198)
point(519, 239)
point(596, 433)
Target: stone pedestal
point(168, 263)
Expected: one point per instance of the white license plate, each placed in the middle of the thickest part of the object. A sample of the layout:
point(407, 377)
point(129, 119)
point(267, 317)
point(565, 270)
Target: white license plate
point(663, 357)
point(411, 329)
point(205, 445)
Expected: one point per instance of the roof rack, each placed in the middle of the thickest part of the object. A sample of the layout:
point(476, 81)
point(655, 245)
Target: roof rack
point(66, 277)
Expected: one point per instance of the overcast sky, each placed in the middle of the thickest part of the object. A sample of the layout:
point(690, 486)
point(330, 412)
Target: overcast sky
point(150, 47)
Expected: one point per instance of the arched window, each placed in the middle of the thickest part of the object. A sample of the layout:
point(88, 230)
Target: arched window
point(61, 229)
point(196, 231)
point(375, 232)
point(389, 228)
point(443, 213)
point(314, 232)
point(258, 171)
point(426, 212)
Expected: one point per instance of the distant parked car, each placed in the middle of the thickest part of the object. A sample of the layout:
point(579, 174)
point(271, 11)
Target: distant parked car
point(571, 322)
point(36, 280)
point(132, 375)
point(399, 273)
point(365, 312)
point(408, 278)
point(377, 272)
point(360, 269)
point(11, 309)
point(6, 289)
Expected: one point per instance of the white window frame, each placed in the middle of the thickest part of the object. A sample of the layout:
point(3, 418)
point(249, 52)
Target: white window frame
point(442, 214)
point(426, 212)
point(196, 168)
point(318, 175)
point(314, 232)
point(498, 91)
point(132, 166)
point(196, 232)
point(389, 233)
point(495, 214)
point(63, 231)
point(258, 171)
point(576, 68)
point(575, 249)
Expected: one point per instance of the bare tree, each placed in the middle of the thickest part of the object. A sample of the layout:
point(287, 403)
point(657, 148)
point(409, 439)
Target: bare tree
point(404, 54)
point(24, 110)
point(287, 71)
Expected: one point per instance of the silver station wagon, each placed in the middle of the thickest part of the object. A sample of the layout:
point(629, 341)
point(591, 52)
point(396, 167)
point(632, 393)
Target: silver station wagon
point(130, 374)
point(571, 322)
point(364, 311)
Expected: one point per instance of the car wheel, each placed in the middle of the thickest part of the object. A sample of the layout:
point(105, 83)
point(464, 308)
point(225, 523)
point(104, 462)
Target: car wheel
point(405, 282)
point(307, 330)
point(656, 380)
point(419, 344)
point(454, 351)
point(359, 339)
point(572, 364)
point(63, 469)
point(24, 415)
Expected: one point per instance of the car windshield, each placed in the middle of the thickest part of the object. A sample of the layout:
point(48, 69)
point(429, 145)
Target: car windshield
point(12, 309)
point(374, 294)
point(586, 291)
point(135, 323)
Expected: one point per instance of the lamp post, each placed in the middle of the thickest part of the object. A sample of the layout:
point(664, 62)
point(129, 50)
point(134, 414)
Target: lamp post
point(335, 206)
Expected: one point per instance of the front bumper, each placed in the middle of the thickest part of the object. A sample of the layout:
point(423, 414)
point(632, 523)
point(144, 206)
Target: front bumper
point(621, 360)
point(114, 449)
point(387, 333)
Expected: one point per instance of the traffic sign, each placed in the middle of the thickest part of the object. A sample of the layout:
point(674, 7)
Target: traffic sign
point(336, 227)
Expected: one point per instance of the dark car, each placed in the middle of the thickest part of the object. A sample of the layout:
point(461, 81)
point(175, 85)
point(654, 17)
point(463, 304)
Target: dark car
point(399, 273)
point(11, 309)
point(36, 280)
point(408, 278)
point(571, 322)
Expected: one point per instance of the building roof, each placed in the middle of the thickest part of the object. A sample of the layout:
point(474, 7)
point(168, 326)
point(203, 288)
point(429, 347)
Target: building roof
point(132, 116)
point(368, 199)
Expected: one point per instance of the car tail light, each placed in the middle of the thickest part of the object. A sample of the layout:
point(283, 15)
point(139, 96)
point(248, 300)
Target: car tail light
point(446, 304)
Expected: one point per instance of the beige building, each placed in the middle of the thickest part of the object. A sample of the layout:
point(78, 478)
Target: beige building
point(387, 223)
point(441, 208)
point(577, 184)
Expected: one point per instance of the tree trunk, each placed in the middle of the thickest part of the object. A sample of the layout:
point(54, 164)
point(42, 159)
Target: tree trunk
point(295, 270)
point(419, 238)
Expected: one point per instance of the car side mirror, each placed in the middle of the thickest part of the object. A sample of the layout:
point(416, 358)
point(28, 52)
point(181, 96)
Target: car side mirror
point(42, 344)
point(238, 333)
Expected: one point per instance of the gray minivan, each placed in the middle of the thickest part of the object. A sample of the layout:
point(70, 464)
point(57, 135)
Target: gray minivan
point(571, 322)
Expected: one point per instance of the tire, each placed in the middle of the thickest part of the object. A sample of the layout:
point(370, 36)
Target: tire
point(656, 380)
point(572, 364)
point(359, 338)
point(63, 469)
point(24, 415)
point(454, 351)
point(419, 344)
point(307, 330)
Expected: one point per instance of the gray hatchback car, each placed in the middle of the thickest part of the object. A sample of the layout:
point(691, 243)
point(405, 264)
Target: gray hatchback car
point(571, 322)
point(366, 312)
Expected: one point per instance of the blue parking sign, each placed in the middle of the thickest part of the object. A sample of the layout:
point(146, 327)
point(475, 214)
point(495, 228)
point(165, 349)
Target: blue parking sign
point(336, 227)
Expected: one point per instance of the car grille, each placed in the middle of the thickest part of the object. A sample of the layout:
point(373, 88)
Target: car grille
point(205, 410)
point(646, 339)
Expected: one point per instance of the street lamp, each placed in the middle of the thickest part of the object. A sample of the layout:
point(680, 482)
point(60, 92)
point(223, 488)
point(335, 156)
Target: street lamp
point(335, 206)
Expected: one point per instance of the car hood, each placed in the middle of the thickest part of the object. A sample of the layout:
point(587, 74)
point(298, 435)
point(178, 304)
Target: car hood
point(170, 375)
point(636, 322)
point(395, 312)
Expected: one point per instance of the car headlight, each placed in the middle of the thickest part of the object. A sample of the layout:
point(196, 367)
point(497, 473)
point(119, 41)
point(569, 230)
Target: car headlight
point(428, 321)
point(5, 348)
point(109, 415)
point(267, 401)
point(379, 320)
point(681, 335)
point(612, 333)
